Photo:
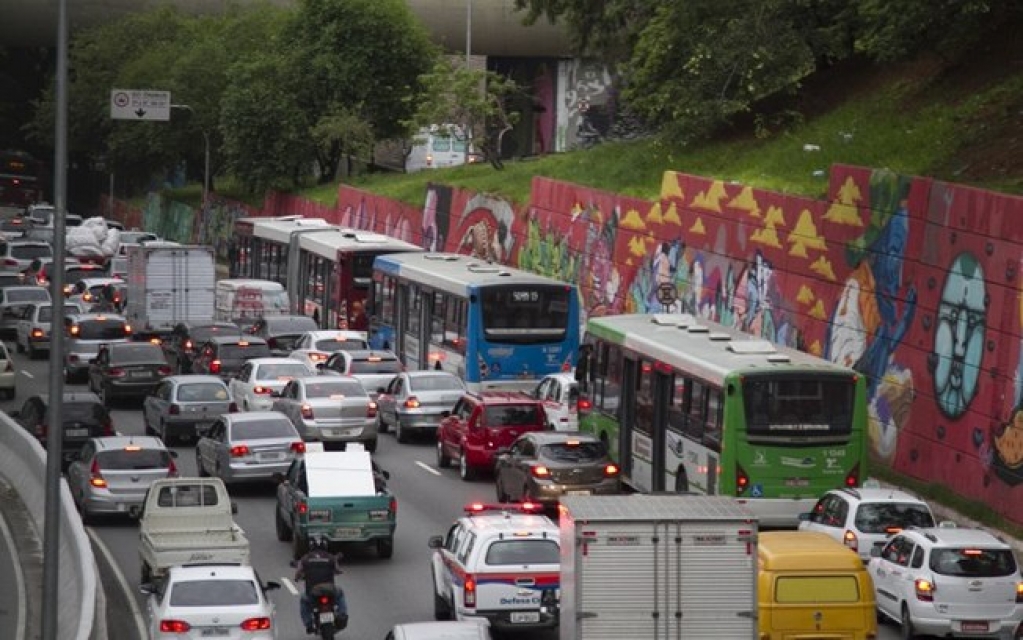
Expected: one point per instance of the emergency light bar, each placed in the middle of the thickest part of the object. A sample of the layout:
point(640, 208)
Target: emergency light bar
point(520, 507)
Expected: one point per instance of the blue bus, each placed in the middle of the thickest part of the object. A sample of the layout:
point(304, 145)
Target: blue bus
point(496, 327)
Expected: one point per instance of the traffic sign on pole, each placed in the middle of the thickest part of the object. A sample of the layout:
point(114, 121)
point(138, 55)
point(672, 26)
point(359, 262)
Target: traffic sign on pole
point(667, 293)
point(135, 104)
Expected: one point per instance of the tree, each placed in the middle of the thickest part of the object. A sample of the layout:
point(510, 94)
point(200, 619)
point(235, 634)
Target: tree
point(339, 135)
point(470, 102)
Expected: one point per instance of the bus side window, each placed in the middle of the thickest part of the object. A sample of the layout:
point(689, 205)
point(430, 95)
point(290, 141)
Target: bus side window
point(695, 410)
point(712, 432)
point(676, 418)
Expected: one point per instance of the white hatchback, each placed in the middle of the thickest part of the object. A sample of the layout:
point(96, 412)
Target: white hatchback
point(259, 378)
point(561, 397)
point(8, 374)
point(222, 601)
point(948, 582)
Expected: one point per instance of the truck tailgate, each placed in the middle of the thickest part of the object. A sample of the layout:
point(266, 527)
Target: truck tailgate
point(352, 519)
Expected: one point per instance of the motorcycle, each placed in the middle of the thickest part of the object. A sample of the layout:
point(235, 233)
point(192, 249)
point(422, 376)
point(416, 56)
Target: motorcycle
point(326, 621)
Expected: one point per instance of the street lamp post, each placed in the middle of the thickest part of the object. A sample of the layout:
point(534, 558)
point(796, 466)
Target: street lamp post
point(206, 155)
point(468, 32)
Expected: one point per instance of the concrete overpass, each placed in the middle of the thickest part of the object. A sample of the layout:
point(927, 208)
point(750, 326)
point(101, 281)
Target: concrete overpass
point(497, 28)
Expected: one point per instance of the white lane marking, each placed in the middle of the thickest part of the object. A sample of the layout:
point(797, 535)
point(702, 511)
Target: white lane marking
point(19, 579)
point(26, 374)
point(427, 467)
point(122, 583)
point(290, 586)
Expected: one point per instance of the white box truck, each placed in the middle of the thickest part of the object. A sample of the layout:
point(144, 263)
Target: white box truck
point(168, 285)
point(657, 567)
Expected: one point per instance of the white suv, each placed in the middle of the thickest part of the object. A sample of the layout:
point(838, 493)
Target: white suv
point(498, 562)
point(867, 517)
point(949, 582)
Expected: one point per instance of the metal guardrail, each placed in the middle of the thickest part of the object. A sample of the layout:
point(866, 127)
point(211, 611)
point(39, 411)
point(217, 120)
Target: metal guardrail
point(23, 466)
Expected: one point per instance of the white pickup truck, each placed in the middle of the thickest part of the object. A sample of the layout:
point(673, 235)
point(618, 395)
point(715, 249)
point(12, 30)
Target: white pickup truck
point(188, 521)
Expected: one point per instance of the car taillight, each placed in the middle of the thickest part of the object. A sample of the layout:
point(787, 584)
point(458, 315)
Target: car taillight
point(741, 480)
point(174, 626)
point(108, 428)
point(307, 412)
point(215, 366)
point(540, 471)
point(263, 391)
point(392, 506)
point(172, 469)
point(174, 410)
point(298, 447)
point(10, 262)
point(850, 540)
point(232, 408)
point(371, 410)
point(583, 404)
point(324, 601)
point(611, 470)
point(127, 329)
point(925, 590)
point(164, 370)
point(96, 476)
point(853, 478)
point(87, 297)
point(188, 345)
point(115, 372)
point(302, 508)
point(412, 403)
point(318, 357)
point(469, 592)
point(37, 333)
point(239, 451)
point(1019, 592)
point(256, 624)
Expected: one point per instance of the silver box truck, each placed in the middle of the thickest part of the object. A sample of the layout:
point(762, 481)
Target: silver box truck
point(661, 567)
point(168, 285)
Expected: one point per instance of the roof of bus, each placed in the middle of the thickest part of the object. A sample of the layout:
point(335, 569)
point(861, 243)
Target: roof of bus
point(804, 551)
point(455, 273)
point(330, 240)
point(710, 350)
point(249, 283)
point(280, 231)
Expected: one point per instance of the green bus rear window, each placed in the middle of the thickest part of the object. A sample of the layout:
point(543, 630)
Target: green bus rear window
point(816, 589)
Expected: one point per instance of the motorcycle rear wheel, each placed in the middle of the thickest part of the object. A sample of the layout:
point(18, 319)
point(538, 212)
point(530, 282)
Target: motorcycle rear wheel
point(327, 631)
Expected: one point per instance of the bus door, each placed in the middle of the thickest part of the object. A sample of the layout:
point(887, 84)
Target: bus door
point(626, 412)
point(663, 387)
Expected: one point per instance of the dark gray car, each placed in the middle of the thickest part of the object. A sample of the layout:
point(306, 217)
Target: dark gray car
point(184, 407)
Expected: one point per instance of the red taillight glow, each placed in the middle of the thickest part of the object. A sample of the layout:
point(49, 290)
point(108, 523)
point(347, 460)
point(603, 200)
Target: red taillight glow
point(584, 404)
point(115, 372)
point(96, 476)
point(174, 626)
point(1019, 592)
point(174, 410)
point(324, 601)
point(164, 370)
point(469, 592)
point(239, 451)
point(215, 366)
point(853, 478)
point(412, 403)
point(10, 262)
point(256, 624)
point(850, 540)
point(611, 470)
point(37, 333)
point(392, 506)
point(302, 508)
point(189, 345)
point(307, 412)
point(741, 480)
point(371, 410)
point(924, 590)
point(263, 391)
point(540, 471)
point(298, 447)
point(108, 428)
point(172, 469)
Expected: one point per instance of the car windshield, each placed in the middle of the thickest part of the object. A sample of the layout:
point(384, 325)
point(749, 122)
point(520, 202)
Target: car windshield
point(435, 383)
point(109, 329)
point(131, 457)
point(279, 371)
point(29, 251)
point(522, 552)
point(337, 344)
point(378, 365)
point(199, 334)
point(881, 517)
point(46, 313)
point(139, 353)
point(261, 429)
point(578, 452)
point(244, 352)
point(512, 415)
point(202, 392)
point(973, 563)
point(31, 294)
point(331, 388)
point(276, 326)
point(8, 279)
point(214, 593)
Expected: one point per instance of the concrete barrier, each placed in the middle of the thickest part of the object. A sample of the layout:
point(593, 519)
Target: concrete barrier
point(23, 465)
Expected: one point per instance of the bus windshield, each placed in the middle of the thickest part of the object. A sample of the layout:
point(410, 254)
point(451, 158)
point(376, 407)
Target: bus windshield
point(798, 408)
point(525, 313)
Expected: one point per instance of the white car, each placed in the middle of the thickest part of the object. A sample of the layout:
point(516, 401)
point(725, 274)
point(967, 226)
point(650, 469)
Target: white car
point(948, 582)
point(211, 601)
point(864, 518)
point(314, 347)
point(254, 386)
point(446, 630)
point(561, 397)
point(8, 374)
point(86, 291)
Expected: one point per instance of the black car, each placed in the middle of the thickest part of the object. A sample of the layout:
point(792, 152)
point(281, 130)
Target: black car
point(83, 416)
point(282, 332)
point(184, 342)
point(224, 356)
point(127, 369)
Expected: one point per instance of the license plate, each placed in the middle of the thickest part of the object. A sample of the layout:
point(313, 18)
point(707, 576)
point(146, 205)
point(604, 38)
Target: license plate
point(326, 617)
point(348, 532)
point(579, 492)
point(519, 617)
point(77, 433)
point(212, 632)
point(797, 482)
point(138, 374)
point(270, 457)
point(974, 627)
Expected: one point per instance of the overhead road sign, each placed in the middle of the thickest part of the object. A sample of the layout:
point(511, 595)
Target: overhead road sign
point(136, 104)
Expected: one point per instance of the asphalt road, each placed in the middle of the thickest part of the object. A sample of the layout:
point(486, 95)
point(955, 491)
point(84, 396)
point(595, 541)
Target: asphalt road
point(380, 593)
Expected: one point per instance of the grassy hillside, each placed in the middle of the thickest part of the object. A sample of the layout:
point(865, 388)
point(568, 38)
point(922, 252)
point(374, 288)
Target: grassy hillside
point(961, 123)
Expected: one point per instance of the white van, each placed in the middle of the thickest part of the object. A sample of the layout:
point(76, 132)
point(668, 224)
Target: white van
point(437, 147)
point(244, 301)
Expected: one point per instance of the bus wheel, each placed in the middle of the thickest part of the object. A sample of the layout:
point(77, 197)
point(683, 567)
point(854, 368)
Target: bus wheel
point(681, 481)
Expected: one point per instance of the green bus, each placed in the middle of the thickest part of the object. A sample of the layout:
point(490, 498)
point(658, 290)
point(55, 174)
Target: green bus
point(687, 405)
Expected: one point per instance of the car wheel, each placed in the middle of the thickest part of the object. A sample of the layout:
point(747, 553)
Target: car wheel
point(385, 547)
point(163, 433)
point(371, 446)
point(283, 531)
point(200, 469)
point(400, 433)
point(18, 346)
point(299, 544)
point(465, 472)
point(441, 608)
point(382, 426)
point(908, 632)
point(104, 395)
point(442, 459)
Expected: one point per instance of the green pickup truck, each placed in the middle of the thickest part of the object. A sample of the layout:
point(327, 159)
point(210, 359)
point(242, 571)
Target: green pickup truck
point(338, 495)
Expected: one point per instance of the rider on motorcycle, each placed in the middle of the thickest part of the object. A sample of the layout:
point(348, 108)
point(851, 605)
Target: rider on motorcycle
point(318, 567)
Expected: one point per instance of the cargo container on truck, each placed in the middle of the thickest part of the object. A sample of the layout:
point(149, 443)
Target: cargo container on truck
point(168, 285)
point(657, 567)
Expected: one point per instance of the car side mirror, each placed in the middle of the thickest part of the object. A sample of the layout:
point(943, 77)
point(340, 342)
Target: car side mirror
point(173, 453)
point(234, 508)
point(271, 586)
point(436, 542)
point(147, 588)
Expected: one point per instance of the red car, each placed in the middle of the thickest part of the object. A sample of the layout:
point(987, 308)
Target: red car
point(482, 425)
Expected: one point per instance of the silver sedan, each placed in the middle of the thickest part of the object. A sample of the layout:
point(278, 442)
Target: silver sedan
point(330, 410)
point(184, 407)
point(250, 446)
point(414, 400)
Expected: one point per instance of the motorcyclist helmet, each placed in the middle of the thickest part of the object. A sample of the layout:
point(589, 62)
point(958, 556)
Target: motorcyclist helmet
point(317, 543)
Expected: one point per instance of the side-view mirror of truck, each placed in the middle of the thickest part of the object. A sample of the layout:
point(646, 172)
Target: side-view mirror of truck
point(436, 542)
point(271, 586)
point(147, 588)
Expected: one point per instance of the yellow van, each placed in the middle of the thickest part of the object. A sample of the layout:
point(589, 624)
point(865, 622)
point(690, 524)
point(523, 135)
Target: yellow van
point(812, 586)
